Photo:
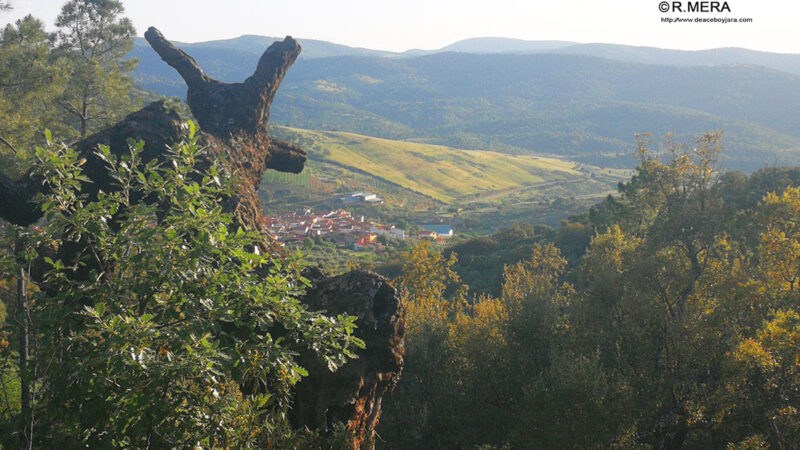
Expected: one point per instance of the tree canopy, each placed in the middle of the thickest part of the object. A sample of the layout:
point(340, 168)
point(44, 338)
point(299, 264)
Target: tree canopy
point(673, 325)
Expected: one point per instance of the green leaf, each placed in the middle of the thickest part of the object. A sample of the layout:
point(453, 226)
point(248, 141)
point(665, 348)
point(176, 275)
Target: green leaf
point(262, 399)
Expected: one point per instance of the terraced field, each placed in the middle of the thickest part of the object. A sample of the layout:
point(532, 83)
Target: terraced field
point(442, 173)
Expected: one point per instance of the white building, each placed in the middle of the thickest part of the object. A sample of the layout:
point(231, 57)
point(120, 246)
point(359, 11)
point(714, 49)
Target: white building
point(392, 232)
point(443, 231)
point(362, 197)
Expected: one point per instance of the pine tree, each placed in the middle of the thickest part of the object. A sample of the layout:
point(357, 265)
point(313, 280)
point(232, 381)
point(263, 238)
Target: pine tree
point(93, 39)
point(28, 82)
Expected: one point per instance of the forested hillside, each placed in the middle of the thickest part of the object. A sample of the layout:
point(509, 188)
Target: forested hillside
point(665, 317)
point(581, 107)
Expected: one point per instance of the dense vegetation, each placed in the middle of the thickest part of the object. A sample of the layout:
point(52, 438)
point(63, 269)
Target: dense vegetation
point(73, 82)
point(171, 332)
point(666, 316)
point(675, 325)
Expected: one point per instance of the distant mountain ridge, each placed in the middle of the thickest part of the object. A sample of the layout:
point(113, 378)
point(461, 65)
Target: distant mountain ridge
point(715, 57)
point(553, 100)
point(227, 59)
point(249, 43)
point(312, 48)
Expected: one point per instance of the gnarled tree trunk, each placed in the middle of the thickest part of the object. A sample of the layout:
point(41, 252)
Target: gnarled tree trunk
point(234, 116)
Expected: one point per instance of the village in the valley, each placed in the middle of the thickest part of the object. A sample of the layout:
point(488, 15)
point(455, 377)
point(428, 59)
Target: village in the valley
point(343, 228)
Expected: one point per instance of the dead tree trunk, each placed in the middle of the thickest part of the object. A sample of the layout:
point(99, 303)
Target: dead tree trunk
point(234, 116)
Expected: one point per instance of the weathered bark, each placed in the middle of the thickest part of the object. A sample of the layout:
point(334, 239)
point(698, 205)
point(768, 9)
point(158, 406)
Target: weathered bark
point(17, 203)
point(234, 121)
point(352, 395)
point(234, 116)
point(237, 113)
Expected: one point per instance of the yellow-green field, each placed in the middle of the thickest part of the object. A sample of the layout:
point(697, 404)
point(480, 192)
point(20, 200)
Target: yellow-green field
point(438, 172)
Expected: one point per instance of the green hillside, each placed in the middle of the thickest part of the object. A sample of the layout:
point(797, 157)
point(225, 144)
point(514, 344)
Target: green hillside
point(441, 173)
point(581, 108)
point(558, 99)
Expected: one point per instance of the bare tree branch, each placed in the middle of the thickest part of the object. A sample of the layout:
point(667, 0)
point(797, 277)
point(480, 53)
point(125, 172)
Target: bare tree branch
point(8, 144)
point(275, 61)
point(186, 66)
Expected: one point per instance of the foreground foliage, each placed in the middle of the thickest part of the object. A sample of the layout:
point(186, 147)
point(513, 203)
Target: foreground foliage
point(170, 328)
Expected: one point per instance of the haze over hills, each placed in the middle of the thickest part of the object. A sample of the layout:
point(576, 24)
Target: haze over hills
point(312, 48)
point(627, 53)
point(494, 45)
point(553, 98)
point(713, 57)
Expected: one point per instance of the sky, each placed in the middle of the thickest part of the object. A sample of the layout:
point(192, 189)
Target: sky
point(399, 25)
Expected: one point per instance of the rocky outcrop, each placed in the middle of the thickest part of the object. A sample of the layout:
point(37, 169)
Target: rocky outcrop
point(234, 122)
